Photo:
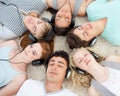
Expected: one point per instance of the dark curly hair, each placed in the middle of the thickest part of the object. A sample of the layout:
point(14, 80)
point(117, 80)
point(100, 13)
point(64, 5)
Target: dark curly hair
point(58, 53)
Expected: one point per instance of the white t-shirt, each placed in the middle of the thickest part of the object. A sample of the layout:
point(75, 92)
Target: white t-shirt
point(36, 88)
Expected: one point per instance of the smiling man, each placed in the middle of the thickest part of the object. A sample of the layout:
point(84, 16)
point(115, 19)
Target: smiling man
point(57, 66)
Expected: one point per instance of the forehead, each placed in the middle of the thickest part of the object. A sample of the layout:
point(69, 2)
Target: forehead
point(78, 53)
point(59, 60)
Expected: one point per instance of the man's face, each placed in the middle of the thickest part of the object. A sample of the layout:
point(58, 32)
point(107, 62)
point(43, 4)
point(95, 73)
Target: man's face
point(56, 70)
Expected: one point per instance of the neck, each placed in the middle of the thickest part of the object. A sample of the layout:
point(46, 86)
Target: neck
point(52, 86)
point(19, 61)
point(101, 25)
point(98, 71)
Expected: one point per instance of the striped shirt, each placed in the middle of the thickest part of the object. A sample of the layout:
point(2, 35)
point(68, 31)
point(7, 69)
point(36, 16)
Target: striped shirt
point(10, 14)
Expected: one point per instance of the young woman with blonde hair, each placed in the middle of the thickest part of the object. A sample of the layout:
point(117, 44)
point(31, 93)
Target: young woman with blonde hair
point(103, 74)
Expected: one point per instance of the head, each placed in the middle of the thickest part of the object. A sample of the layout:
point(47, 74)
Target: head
point(82, 36)
point(39, 27)
point(57, 66)
point(45, 51)
point(83, 59)
point(63, 21)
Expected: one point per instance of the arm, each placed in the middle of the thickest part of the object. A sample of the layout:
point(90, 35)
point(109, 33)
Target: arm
point(49, 3)
point(93, 92)
point(12, 88)
point(113, 58)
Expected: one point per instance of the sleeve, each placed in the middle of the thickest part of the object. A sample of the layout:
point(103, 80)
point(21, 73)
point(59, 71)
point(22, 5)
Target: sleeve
point(102, 1)
point(54, 4)
point(25, 89)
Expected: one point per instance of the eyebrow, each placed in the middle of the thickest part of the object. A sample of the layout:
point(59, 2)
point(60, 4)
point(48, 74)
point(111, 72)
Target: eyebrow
point(57, 62)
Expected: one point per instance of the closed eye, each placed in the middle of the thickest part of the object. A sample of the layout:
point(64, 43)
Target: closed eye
point(85, 34)
point(39, 22)
point(60, 65)
point(34, 53)
point(51, 64)
point(34, 29)
point(58, 17)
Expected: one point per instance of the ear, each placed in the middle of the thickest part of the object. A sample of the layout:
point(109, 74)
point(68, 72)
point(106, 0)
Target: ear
point(37, 62)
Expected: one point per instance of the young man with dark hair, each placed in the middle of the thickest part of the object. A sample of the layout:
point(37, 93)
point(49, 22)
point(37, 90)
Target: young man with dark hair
point(57, 66)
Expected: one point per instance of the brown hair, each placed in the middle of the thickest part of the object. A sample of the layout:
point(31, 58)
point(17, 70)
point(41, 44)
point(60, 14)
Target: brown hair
point(75, 41)
point(46, 45)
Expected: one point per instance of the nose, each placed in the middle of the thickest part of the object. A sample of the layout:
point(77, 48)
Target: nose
point(86, 26)
point(54, 67)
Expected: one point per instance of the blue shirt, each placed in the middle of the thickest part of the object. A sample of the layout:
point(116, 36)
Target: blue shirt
point(7, 73)
point(103, 9)
point(10, 14)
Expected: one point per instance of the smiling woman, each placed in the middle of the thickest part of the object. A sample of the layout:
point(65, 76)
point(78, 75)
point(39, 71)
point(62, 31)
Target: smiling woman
point(93, 71)
point(101, 24)
point(14, 61)
point(18, 11)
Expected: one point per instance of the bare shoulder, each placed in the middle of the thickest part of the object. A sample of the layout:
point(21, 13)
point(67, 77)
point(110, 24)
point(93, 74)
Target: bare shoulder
point(21, 77)
point(113, 58)
point(10, 43)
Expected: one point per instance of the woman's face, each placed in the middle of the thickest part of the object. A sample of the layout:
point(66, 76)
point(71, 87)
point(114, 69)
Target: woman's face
point(83, 59)
point(86, 32)
point(63, 17)
point(35, 25)
point(33, 51)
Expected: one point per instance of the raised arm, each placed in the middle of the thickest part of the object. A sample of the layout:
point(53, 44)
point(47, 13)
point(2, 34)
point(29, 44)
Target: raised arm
point(93, 92)
point(113, 58)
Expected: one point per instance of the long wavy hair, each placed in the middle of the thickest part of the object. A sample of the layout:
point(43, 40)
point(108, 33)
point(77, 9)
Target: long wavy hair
point(48, 46)
point(81, 79)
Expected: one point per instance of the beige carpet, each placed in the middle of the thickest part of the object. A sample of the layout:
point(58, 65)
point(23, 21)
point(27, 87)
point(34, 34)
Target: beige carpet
point(102, 47)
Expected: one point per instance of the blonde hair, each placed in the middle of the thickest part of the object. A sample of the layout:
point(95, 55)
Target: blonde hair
point(44, 30)
point(80, 79)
